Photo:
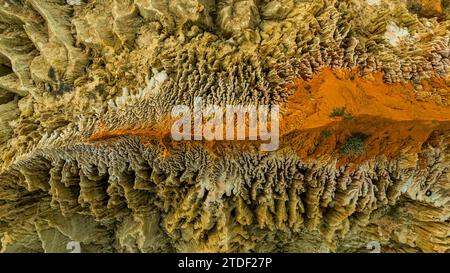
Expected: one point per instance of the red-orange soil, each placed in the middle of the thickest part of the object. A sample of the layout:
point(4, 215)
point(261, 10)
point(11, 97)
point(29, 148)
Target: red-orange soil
point(389, 114)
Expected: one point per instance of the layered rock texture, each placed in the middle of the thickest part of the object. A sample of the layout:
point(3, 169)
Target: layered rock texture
point(86, 155)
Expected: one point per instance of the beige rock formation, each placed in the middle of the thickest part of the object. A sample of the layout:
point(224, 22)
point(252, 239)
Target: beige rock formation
point(85, 153)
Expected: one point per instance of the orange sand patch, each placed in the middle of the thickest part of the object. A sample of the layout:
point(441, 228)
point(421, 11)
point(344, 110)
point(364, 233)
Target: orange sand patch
point(160, 131)
point(389, 114)
point(314, 100)
point(384, 137)
point(432, 6)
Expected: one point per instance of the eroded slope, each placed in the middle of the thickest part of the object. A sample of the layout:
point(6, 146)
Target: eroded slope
point(85, 155)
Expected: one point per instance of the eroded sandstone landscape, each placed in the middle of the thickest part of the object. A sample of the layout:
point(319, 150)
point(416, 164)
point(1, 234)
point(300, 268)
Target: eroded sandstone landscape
point(86, 154)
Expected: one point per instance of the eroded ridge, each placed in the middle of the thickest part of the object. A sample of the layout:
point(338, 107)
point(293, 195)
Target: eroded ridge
point(145, 195)
point(86, 154)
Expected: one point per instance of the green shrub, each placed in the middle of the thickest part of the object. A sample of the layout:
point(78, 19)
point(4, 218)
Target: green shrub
point(337, 112)
point(341, 112)
point(325, 134)
point(354, 145)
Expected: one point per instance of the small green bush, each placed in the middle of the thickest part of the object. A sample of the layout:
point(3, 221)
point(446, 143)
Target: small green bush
point(354, 145)
point(337, 112)
point(52, 74)
point(341, 112)
point(325, 134)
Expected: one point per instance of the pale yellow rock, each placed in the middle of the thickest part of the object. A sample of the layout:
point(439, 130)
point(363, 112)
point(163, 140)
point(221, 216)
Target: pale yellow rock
point(85, 159)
